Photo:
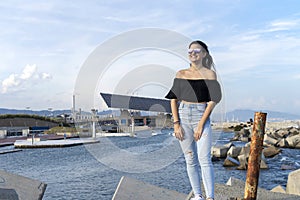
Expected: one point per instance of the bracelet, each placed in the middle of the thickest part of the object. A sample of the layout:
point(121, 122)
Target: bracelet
point(176, 122)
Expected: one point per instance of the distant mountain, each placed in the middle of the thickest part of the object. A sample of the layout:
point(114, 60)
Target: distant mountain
point(32, 112)
point(235, 115)
point(245, 115)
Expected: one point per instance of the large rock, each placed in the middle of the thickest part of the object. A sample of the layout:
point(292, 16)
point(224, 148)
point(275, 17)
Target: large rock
point(263, 163)
point(245, 139)
point(293, 140)
point(293, 131)
point(234, 151)
point(230, 162)
point(281, 133)
point(293, 183)
point(269, 140)
point(282, 143)
point(271, 151)
point(229, 145)
point(243, 159)
point(245, 151)
point(219, 152)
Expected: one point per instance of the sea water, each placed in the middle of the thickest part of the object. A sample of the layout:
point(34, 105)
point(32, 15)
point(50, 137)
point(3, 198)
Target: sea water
point(77, 173)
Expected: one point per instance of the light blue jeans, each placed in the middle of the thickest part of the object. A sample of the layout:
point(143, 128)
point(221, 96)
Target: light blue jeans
point(199, 152)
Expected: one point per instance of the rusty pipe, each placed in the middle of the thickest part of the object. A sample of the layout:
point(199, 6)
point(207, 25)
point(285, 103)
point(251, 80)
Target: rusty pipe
point(256, 146)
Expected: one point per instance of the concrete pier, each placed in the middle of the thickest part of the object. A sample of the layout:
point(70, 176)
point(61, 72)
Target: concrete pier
point(133, 189)
point(54, 143)
point(10, 151)
point(16, 187)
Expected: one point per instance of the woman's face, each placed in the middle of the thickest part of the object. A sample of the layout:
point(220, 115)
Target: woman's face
point(196, 53)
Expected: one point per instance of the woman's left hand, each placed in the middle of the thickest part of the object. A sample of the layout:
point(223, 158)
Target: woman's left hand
point(198, 132)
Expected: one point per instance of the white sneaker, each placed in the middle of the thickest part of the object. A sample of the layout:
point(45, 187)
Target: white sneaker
point(198, 197)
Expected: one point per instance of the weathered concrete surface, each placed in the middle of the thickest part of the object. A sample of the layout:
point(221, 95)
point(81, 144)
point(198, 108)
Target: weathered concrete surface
point(133, 189)
point(18, 187)
point(292, 186)
point(234, 188)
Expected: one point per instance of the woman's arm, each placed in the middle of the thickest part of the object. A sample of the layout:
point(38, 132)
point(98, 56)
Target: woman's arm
point(174, 110)
point(178, 131)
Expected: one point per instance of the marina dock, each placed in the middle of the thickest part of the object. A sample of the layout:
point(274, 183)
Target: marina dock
point(54, 143)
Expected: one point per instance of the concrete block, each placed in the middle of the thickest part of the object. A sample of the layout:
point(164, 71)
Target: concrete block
point(219, 152)
point(20, 187)
point(230, 162)
point(278, 189)
point(282, 133)
point(268, 139)
point(293, 184)
point(133, 189)
point(283, 143)
point(235, 182)
point(245, 139)
point(245, 151)
point(271, 151)
point(234, 151)
point(293, 140)
point(263, 164)
point(243, 162)
point(8, 194)
point(228, 145)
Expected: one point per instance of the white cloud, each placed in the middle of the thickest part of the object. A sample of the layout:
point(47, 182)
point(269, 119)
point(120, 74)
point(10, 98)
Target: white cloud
point(253, 50)
point(280, 25)
point(9, 82)
point(15, 82)
point(28, 71)
point(45, 76)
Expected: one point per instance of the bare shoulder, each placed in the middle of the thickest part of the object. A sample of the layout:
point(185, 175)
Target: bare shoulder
point(181, 73)
point(210, 74)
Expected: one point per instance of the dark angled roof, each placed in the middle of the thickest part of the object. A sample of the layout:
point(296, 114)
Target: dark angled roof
point(136, 103)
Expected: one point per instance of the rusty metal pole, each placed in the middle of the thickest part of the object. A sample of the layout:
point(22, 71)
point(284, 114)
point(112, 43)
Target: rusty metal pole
point(256, 145)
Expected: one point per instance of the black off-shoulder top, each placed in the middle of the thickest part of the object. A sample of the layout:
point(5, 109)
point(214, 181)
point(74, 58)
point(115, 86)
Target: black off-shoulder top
point(195, 90)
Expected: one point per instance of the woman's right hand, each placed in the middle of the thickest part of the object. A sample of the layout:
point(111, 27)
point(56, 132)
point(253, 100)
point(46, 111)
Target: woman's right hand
point(178, 131)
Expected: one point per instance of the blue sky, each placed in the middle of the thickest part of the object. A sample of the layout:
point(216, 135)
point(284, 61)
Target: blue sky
point(255, 45)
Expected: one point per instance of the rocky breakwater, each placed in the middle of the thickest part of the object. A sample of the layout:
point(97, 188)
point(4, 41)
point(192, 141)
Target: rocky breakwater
point(274, 141)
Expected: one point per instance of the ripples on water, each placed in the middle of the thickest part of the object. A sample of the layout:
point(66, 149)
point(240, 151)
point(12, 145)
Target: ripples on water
point(73, 173)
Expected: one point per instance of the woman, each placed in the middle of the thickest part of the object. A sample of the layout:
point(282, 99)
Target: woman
point(198, 91)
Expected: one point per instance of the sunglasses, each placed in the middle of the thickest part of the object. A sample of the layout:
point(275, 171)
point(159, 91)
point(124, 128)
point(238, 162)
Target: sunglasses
point(194, 50)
